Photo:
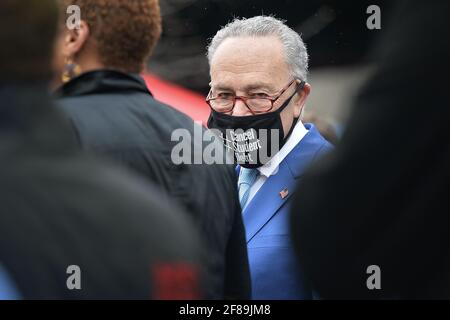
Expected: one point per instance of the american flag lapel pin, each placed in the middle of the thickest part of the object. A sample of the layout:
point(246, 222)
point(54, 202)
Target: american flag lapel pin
point(284, 193)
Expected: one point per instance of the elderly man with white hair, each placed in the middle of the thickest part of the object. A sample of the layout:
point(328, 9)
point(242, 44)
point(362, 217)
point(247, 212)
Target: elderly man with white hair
point(258, 69)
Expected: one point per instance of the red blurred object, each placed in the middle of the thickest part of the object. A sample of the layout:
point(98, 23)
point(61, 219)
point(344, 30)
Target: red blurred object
point(173, 281)
point(182, 99)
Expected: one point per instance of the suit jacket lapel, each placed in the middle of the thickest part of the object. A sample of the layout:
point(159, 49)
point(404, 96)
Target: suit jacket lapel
point(268, 200)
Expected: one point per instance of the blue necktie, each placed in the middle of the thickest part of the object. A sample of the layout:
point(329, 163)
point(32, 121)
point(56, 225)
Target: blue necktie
point(247, 178)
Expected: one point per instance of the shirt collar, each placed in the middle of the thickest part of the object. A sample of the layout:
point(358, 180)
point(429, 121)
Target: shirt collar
point(271, 167)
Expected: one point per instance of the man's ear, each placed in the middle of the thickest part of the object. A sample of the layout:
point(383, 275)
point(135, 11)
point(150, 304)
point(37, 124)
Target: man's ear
point(75, 40)
point(300, 100)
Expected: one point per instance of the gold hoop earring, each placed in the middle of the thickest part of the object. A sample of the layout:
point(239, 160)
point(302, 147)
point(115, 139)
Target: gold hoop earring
point(71, 70)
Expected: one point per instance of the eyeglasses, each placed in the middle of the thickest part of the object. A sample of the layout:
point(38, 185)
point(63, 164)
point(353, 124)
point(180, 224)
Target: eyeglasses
point(225, 102)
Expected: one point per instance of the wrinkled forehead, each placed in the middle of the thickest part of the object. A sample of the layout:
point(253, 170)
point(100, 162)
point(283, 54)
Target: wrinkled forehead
point(242, 62)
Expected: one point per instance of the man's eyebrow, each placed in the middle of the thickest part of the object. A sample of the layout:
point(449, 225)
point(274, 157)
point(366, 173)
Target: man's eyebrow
point(250, 87)
point(259, 86)
point(222, 87)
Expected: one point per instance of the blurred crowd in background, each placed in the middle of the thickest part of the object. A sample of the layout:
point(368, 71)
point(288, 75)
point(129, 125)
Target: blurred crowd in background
point(337, 40)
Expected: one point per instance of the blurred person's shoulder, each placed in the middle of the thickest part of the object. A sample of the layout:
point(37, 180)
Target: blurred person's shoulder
point(101, 102)
point(75, 177)
point(93, 203)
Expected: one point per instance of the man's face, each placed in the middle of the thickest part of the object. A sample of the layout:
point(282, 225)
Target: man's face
point(255, 66)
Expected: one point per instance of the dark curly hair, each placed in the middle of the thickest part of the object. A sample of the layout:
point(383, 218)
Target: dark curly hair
point(28, 32)
point(126, 31)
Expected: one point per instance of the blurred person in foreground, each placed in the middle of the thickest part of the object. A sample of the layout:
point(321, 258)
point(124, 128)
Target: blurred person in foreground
point(258, 70)
point(114, 115)
point(382, 198)
point(60, 208)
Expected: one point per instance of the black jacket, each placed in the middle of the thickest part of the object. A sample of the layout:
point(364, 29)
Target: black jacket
point(62, 208)
point(382, 197)
point(114, 115)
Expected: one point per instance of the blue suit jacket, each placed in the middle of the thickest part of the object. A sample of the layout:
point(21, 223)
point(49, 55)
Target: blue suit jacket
point(274, 269)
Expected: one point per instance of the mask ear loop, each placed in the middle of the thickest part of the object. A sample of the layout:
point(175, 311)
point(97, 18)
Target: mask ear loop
point(299, 88)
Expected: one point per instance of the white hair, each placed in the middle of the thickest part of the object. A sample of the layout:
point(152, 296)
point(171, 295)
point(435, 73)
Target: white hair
point(295, 51)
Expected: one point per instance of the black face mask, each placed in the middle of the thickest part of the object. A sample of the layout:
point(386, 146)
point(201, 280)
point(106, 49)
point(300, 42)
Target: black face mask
point(255, 139)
